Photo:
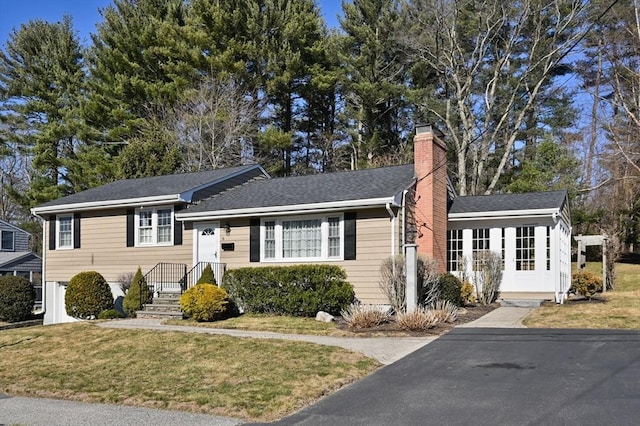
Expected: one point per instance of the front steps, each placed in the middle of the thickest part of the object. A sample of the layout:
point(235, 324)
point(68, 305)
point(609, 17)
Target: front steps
point(164, 306)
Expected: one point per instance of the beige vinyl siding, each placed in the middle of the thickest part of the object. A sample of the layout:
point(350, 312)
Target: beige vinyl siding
point(103, 248)
point(373, 245)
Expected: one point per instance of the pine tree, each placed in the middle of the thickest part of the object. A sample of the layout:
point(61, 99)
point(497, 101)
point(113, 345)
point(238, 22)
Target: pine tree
point(42, 85)
point(141, 62)
point(376, 78)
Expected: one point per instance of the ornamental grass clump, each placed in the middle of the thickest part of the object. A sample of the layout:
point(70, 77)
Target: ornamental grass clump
point(205, 302)
point(444, 311)
point(365, 316)
point(419, 320)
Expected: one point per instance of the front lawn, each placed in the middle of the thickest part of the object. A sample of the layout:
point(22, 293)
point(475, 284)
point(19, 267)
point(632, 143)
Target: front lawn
point(618, 309)
point(252, 379)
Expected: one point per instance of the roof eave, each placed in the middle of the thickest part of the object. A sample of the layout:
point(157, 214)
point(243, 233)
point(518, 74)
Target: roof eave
point(99, 205)
point(503, 214)
point(286, 209)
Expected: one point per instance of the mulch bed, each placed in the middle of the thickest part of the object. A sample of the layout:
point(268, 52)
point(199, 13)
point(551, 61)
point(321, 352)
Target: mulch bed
point(467, 314)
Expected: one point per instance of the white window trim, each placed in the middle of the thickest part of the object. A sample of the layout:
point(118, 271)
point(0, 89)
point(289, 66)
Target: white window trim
point(58, 246)
point(324, 235)
point(13, 242)
point(154, 226)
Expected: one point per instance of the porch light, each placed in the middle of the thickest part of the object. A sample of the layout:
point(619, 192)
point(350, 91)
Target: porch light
point(227, 228)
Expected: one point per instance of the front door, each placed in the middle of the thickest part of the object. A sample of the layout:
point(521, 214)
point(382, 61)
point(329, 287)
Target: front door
point(207, 244)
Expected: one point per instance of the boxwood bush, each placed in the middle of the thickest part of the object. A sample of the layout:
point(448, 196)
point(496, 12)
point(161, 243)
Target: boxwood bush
point(450, 289)
point(17, 297)
point(300, 290)
point(87, 295)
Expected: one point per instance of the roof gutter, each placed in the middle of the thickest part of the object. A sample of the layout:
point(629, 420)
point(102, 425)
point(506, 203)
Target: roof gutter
point(100, 205)
point(288, 209)
point(505, 214)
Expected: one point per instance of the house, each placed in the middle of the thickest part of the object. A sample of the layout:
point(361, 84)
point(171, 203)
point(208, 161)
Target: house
point(240, 217)
point(16, 258)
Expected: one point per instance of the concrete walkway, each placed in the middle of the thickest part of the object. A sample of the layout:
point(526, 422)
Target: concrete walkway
point(503, 317)
point(386, 350)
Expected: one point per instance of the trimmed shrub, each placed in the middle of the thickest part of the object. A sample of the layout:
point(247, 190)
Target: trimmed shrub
point(585, 283)
point(418, 320)
point(365, 316)
point(300, 290)
point(17, 297)
point(110, 314)
point(207, 276)
point(138, 294)
point(205, 302)
point(450, 289)
point(87, 295)
point(468, 293)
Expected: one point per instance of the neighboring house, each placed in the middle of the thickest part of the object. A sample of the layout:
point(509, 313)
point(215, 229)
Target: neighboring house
point(17, 259)
point(240, 217)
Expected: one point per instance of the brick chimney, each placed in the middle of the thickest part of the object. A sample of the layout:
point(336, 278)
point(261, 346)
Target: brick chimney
point(430, 162)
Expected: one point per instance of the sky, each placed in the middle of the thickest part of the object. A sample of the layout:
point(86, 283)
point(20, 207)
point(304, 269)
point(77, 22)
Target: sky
point(85, 14)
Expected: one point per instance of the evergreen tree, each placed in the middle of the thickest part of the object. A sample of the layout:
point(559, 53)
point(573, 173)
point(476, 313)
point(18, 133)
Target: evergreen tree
point(42, 85)
point(207, 276)
point(141, 62)
point(376, 78)
point(138, 294)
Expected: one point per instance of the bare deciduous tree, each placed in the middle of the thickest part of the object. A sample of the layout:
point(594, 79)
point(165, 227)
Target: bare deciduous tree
point(488, 277)
point(491, 63)
point(393, 281)
point(215, 125)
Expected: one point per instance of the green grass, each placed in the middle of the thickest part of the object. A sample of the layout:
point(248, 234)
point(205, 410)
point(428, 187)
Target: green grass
point(273, 323)
point(246, 378)
point(617, 309)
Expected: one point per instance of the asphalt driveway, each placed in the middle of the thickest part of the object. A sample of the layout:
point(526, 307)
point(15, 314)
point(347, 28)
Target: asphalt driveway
point(487, 376)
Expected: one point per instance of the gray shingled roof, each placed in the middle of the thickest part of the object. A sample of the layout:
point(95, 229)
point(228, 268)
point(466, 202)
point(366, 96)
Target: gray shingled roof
point(312, 189)
point(147, 187)
point(508, 202)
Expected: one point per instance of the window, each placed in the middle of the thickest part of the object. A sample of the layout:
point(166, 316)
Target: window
point(455, 260)
point(164, 226)
point(270, 240)
point(305, 238)
point(548, 248)
point(64, 231)
point(502, 252)
point(525, 248)
point(480, 247)
point(154, 227)
point(7, 241)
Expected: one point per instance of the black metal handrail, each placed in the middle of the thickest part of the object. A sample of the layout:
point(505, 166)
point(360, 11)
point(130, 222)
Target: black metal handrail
point(166, 277)
point(194, 274)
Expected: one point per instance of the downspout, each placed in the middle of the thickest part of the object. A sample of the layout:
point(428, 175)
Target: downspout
point(404, 216)
point(393, 223)
point(44, 253)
